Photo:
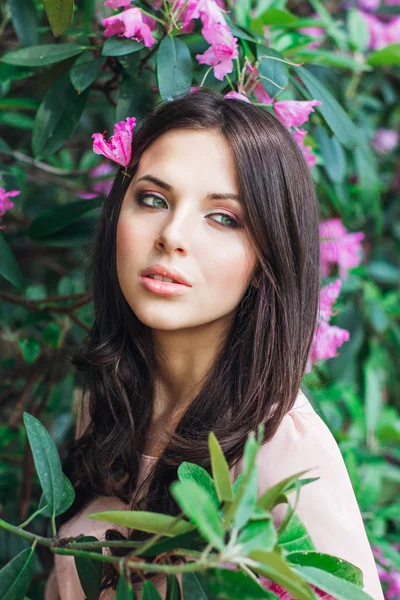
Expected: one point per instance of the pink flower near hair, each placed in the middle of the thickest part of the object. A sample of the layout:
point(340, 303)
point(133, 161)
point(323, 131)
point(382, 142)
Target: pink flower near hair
point(385, 140)
point(293, 113)
point(327, 338)
point(340, 247)
point(119, 146)
point(130, 24)
point(5, 202)
point(308, 155)
point(237, 96)
point(258, 90)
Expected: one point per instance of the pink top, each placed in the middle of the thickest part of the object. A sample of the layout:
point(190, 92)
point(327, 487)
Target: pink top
point(328, 506)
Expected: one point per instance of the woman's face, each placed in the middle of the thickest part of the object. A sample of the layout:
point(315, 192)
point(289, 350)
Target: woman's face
point(182, 227)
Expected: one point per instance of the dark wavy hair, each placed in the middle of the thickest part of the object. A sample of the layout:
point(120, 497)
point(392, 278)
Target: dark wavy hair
point(257, 373)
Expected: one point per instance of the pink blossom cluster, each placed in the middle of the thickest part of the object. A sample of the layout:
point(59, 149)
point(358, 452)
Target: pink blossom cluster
point(339, 247)
point(130, 23)
point(292, 113)
point(119, 147)
point(390, 577)
point(223, 45)
point(382, 33)
point(327, 338)
point(314, 32)
point(102, 176)
point(5, 202)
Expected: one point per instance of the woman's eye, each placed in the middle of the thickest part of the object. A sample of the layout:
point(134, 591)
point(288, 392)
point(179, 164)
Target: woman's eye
point(140, 199)
point(232, 222)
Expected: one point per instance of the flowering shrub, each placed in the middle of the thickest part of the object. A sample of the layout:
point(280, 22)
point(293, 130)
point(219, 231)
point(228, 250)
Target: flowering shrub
point(74, 82)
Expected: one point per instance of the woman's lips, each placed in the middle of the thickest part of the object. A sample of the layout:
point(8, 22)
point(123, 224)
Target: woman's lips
point(163, 288)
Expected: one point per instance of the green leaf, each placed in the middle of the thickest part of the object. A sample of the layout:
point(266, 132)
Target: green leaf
point(195, 587)
point(78, 233)
point(85, 70)
point(332, 153)
point(268, 500)
point(150, 592)
point(375, 369)
point(30, 349)
point(52, 221)
point(38, 56)
point(9, 268)
point(295, 537)
point(57, 117)
point(198, 505)
point(332, 564)
point(47, 462)
point(257, 534)
point(18, 104)
point(23, 18)
point(229, 583)
point(12, 72)
point(59, 14)
point(16, 576)
point(274, 566)
point(275, 16)
point(331, 59)
point(191, 472)
point(245, 499)
point(173, 588)
point(124, 589)
point(333, 113)
point(273, 72)
point(369, 181)
point(357, 27)
point(220, 470)
point(338, 588)
point(389, 55)
point(144, 521)
point(174, 68)
point(115, 46)
point(67, 499)
point(89, 570)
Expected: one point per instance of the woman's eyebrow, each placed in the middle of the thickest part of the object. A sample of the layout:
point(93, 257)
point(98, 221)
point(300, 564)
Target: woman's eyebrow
point(169, 188)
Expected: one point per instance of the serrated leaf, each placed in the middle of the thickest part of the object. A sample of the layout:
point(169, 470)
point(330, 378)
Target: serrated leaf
point(257, 534)
point(336, 587)
point(174, 68)
point(59, 14)
point(191, 472)
point(38, 56)
point(16, 576)
point(295, 537)
point(47, 461)
point(332, 564)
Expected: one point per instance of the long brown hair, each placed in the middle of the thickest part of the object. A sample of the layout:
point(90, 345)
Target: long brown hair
point(257, 373)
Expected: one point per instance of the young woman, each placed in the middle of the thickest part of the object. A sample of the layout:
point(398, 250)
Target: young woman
point(218, 198)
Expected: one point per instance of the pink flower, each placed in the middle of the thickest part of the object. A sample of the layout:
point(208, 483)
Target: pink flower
point(102, 184)
point(130, 24)
point(259, 92)
point(327, 338)
point(293, 113)
point(340, 247)
point(119, 146)
point(114, 4)
point(223, 49)
point(385, 140)
point(284, 595)
point(237, 96)
point(382, 34)
point(5, 202)
point(314, 32)
point(369, 4)
point(309, 157)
